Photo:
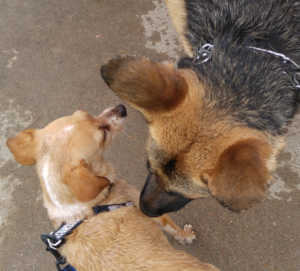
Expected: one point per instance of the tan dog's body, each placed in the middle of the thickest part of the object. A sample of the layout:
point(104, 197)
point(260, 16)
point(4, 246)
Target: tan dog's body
point(75, 178)
point(125, 239)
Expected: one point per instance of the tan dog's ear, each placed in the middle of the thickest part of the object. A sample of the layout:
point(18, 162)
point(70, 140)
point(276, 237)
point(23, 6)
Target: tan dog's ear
point(239, 179)
point(146, 85)
point(84, 185)
point(23, 147)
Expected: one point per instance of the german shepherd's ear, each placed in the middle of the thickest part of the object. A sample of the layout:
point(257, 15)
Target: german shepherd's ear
point(23, 147)
point(83, 185)
point(239, 179)
point(147, 86)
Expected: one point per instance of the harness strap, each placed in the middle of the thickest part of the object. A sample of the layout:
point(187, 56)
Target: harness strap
point(66, 229)
point(57, 238)
point(69, 268)
point(111, 207)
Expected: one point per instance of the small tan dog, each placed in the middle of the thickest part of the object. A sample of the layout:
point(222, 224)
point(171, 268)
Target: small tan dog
point(75, 177)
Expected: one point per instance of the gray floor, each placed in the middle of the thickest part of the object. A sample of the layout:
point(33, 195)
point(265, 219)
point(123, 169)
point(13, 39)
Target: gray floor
point(49, 67)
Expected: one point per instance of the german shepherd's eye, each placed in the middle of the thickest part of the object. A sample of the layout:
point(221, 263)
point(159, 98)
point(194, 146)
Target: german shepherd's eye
point(169, 167)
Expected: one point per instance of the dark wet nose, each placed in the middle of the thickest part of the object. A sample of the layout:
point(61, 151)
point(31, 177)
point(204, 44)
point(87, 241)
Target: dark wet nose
point(122, 110)
point(156, 201)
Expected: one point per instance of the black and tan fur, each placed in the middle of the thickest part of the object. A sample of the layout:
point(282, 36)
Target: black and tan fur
point(215, 127)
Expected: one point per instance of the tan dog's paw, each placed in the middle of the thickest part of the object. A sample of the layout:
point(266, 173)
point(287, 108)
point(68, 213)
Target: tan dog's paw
point(187, 235)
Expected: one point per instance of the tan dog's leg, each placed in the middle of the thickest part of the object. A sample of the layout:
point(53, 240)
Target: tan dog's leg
point(126, 191)
point(184, 236)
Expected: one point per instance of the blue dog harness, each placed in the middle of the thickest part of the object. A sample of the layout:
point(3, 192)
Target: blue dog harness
point(56, 239)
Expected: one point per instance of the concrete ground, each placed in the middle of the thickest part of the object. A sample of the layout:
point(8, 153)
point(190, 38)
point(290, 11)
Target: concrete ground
point(49, 67)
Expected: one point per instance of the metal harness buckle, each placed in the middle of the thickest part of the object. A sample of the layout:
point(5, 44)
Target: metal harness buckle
point(48, 239)
point(55, 239)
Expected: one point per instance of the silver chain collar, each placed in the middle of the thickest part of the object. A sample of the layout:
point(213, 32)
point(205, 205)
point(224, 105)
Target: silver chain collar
point(285, 59)
point(205, 52)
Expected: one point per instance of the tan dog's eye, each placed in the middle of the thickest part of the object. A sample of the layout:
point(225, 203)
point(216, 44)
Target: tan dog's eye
point(104, 130)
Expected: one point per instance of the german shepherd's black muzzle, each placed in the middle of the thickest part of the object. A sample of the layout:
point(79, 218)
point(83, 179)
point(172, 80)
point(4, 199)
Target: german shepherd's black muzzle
point(156, 201)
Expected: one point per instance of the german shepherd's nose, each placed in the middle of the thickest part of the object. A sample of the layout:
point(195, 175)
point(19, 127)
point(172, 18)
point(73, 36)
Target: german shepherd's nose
point(156, 201)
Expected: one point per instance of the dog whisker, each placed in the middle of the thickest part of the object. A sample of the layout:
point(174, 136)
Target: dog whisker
point(126, 133)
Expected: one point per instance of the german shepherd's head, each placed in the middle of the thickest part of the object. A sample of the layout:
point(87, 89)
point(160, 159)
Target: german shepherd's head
point(195, 148)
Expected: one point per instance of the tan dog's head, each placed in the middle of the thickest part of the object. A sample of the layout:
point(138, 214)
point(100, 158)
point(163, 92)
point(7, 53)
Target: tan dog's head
point(69, 150)
point(193, 149)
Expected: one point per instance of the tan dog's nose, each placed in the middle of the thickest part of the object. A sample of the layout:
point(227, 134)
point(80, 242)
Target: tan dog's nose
point(121, 110)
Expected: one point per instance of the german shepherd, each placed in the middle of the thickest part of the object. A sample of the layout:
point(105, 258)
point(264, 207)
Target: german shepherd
point(219, 118)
